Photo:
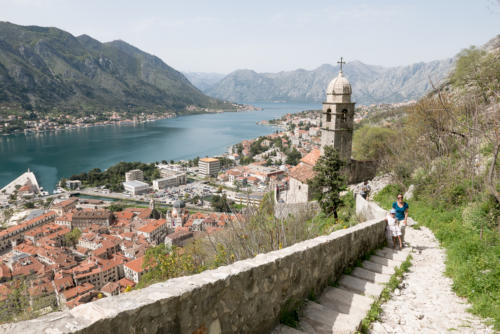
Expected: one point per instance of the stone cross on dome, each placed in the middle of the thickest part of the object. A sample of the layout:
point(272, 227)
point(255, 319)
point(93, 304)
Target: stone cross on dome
point(341, 62)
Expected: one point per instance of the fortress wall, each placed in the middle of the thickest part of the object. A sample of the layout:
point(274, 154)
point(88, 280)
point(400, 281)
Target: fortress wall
point(360, 171)
point(245, 297)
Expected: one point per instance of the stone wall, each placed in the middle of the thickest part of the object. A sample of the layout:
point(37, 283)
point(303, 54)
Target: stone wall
point(245, 297)
point(284, 210)
point(297, 192)
point(360, 171)
point(369, 210)
point(366, 210)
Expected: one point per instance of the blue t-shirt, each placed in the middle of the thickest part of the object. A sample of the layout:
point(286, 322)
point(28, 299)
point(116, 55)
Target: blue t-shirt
point(400, 211)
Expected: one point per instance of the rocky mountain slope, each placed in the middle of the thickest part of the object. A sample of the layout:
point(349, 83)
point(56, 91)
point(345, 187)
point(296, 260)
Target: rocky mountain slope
point(47, 68)
point(371, 84)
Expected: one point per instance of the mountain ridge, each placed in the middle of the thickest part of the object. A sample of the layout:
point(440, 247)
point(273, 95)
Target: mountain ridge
point(46, 68)
point(371, 83)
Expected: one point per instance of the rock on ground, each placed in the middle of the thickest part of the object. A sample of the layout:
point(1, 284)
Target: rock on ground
point(425, 302)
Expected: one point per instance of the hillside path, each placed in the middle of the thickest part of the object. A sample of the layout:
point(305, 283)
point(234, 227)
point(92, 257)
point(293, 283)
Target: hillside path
point(426, 303)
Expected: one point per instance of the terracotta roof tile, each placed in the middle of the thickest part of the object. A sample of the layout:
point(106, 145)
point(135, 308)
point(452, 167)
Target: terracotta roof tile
point(302, 172)
point(312, 157)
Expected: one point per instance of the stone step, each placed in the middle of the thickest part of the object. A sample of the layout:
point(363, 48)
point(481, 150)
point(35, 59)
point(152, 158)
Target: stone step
point(345, 301)
point(384, 261)
point(282, 329)
point(306, 328)
point(392, 254)
point(378, 268)
point(371, 276)
point(361, 286)
point(324, 320)
point(341, 310)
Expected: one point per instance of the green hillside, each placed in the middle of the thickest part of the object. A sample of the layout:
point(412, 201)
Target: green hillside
point(47, 69)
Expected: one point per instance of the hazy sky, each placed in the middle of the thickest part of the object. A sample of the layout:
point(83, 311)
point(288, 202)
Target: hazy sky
point(221, 36)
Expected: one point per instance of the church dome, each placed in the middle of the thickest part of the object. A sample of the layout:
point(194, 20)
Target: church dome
point(339, 86)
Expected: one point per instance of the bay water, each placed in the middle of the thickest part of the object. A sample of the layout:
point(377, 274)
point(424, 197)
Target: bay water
point(53, 155)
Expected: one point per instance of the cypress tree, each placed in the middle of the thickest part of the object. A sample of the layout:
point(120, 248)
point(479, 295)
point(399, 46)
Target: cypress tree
point(329, 181)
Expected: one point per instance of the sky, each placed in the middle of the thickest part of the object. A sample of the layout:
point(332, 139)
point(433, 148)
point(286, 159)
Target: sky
point(270, 35)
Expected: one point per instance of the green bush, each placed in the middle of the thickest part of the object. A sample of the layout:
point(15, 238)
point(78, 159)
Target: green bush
point(388, 195)
point(373, 143)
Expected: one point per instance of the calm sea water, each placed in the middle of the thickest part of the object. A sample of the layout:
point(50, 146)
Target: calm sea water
point(55, 155)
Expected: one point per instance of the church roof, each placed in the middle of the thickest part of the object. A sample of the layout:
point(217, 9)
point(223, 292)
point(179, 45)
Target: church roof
point(312, 157)
point(302, 172)
point(339, 86)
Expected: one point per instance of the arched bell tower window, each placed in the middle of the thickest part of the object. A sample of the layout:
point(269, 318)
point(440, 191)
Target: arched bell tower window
point(344, 115)
point(329, 115)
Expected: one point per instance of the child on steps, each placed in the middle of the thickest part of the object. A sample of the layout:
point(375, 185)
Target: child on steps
point(394, 228)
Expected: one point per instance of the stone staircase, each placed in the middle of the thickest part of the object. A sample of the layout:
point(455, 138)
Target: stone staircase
point(341, 309)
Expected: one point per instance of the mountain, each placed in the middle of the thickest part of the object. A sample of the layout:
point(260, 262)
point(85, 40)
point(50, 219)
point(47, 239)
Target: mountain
point(203, 80)
point(48, 68)
point(371, 84)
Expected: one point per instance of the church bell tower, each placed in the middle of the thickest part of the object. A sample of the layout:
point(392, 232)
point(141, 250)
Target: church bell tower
point(338, 116)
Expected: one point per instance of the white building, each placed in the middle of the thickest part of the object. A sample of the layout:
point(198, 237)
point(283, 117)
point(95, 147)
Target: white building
point(136, 187)
point(134, 269)
point(169, 181)
point(154, 231)
point(134, 175)
point(73, 184)
point(209, 166)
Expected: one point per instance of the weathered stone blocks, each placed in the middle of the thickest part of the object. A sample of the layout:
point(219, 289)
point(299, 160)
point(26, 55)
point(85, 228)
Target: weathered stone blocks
point(245, 297)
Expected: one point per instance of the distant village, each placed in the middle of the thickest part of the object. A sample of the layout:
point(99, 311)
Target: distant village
point(32, 121)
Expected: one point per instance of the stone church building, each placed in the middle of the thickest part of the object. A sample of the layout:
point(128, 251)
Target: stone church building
point(336, 130)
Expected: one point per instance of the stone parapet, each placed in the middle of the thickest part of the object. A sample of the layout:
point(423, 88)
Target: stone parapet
point(244, 297)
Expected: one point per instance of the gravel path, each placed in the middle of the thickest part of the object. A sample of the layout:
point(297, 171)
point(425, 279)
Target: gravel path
point(426, 303)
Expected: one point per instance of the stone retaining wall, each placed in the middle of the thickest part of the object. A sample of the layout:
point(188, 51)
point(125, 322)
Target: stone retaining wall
point(370, 210)
point(245, 297)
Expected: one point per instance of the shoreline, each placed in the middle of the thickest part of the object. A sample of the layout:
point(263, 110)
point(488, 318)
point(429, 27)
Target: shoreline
point(74, 127)
point(271, 128)
point(128, 122)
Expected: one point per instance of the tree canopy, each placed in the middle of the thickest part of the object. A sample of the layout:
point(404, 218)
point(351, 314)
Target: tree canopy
point(329, 181)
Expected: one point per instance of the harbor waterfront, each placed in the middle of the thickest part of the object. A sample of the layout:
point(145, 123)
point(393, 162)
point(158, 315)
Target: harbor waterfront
point(54, 155)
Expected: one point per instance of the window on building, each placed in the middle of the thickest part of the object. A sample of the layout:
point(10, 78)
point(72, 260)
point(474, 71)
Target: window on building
point(329, 115)
point(344, 115)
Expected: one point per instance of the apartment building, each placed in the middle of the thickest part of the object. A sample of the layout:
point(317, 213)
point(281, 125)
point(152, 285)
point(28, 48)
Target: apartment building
point(134, 175)
point(209, 166)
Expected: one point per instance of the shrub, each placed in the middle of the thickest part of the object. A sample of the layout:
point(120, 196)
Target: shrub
point(373, 143)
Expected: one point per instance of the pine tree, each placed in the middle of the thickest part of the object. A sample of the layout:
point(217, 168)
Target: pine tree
point(329, 181)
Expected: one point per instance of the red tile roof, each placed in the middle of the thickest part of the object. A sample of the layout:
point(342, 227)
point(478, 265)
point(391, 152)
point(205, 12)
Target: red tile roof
point(126, 215)
point(27, 224)
point(111, 287)
point(63, 283)
point(125, 282)
point(77, 290)
point(136, 265)
point(312, 157)
point(66, 203)
point(5, 272)
point(302, 172)
point(152, 225)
